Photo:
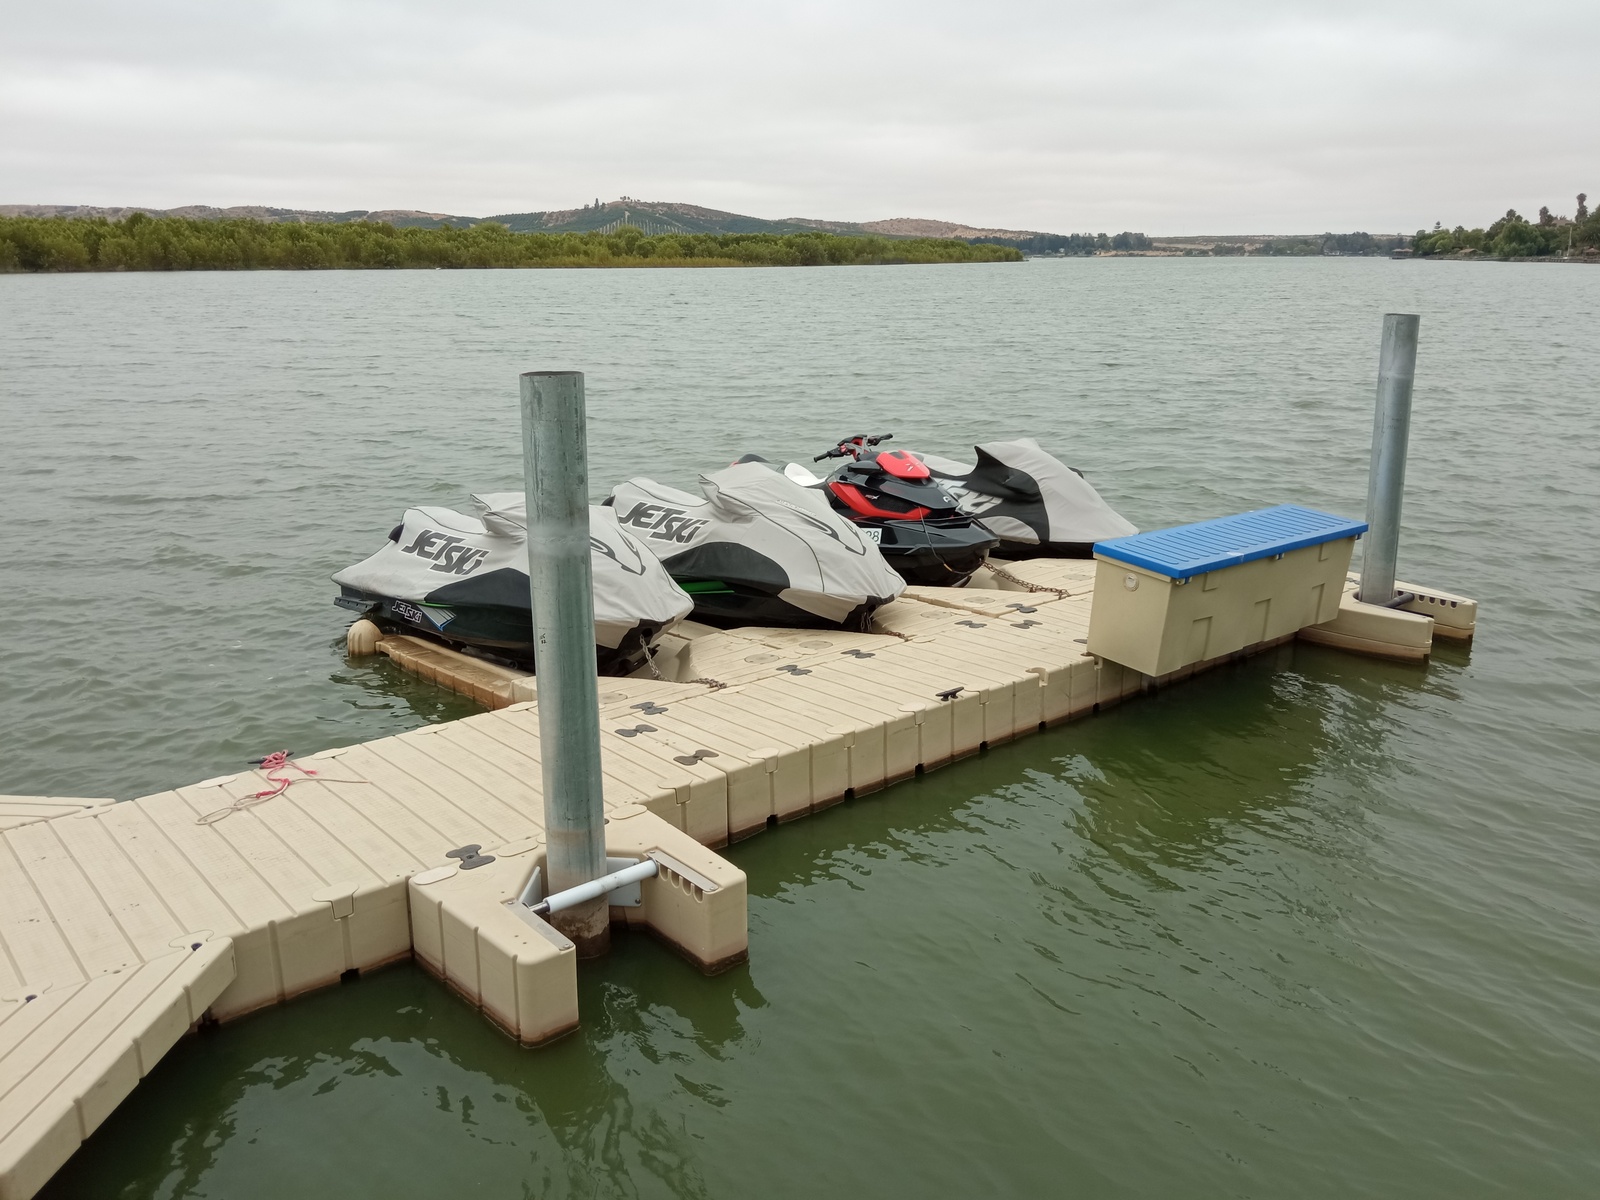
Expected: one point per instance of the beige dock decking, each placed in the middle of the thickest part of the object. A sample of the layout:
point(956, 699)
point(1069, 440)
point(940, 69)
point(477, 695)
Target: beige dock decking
point(121, 924)
point(25, 810)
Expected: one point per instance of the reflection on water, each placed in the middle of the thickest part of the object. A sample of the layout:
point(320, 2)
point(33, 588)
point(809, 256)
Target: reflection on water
point(392, 1087)
point(393, 692)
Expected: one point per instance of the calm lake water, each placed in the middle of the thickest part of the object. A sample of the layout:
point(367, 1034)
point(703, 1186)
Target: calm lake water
point(1313, 925)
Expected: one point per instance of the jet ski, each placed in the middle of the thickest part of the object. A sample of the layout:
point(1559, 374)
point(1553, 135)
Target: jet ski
point(915, 519)
point(1033, 502)
point(757, 549)
point(463, 581)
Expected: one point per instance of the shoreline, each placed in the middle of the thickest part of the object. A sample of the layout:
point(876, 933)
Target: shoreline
point(638, 264)
point(1575, 260)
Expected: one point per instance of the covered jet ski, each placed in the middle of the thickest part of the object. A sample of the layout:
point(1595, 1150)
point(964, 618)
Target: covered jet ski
point(464, 581)
point(757, 549)
point(1032, 501)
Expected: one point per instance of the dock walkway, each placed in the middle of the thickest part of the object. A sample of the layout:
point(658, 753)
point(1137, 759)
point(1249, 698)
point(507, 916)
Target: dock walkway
point(121, 925)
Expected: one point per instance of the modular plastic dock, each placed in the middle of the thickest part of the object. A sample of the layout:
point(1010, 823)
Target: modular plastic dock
point(122, 925)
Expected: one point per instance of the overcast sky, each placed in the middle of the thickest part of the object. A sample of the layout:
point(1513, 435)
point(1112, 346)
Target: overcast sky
point(1242, 116)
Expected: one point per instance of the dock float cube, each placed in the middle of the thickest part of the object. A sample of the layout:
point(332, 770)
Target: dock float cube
point(1171, 598)
point(1374, 630)
point(522, 973)
point(1404, 631)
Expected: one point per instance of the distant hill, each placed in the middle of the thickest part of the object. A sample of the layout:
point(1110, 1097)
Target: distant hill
point(922, 227)
point(400, 217)
point(652, 216)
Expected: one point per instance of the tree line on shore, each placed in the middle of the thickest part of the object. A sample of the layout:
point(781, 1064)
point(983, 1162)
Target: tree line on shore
point(1514, 236)
point(1101, 243)
point(1070, 243)
point(1356, 244)
point(144, 243)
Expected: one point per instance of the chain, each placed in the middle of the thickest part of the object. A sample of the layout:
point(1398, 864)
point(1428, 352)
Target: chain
point(650, 661)
point(1002, 573)
point(715, 685)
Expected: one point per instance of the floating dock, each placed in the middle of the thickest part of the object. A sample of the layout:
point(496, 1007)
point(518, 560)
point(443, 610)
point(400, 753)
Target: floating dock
point(124, 925)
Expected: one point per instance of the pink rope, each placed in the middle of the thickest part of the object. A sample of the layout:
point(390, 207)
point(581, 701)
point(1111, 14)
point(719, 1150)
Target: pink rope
point(276, 761)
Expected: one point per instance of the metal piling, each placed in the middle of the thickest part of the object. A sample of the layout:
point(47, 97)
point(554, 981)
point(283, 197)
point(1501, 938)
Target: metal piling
point(1386, 479)
point(556, 475)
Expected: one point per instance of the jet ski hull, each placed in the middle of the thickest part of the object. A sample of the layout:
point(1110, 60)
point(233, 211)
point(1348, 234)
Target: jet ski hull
point(1015, 550)
point(929, 554)
point(728, 607)
point(498, 633)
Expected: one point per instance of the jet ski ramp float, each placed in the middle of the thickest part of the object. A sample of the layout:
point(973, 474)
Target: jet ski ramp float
point(463, 580)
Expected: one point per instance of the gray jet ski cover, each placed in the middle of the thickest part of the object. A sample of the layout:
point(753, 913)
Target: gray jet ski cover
point(756, 527)
point(1024, 495)
point(486, 562)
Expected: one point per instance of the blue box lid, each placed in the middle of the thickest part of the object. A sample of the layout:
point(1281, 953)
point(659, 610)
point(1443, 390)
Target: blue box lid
point(1187, 550)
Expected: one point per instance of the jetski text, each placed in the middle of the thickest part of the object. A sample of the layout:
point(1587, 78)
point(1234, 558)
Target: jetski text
point(450, 554)
point(661, 523)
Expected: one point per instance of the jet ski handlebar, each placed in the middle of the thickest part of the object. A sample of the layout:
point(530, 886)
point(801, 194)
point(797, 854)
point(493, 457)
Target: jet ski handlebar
point(851, 447)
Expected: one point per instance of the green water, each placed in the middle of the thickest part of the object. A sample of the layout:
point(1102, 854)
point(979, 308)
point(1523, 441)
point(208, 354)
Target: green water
point(1312, 925)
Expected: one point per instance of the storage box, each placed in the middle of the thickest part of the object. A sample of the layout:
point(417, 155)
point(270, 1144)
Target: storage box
point(1174, 597)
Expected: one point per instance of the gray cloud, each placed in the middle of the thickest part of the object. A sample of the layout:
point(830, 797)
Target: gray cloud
point(1238, 116)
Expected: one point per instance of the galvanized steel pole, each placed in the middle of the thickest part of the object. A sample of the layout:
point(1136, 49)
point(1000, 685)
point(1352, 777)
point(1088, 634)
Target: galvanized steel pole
point(555, 464)
point(1386, 478)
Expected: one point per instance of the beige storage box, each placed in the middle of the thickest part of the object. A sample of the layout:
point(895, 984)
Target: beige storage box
point(1174, 597)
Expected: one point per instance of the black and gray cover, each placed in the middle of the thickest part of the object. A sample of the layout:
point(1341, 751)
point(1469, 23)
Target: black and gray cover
point(448, 570)
point(1030, 499)
point(760, 534)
